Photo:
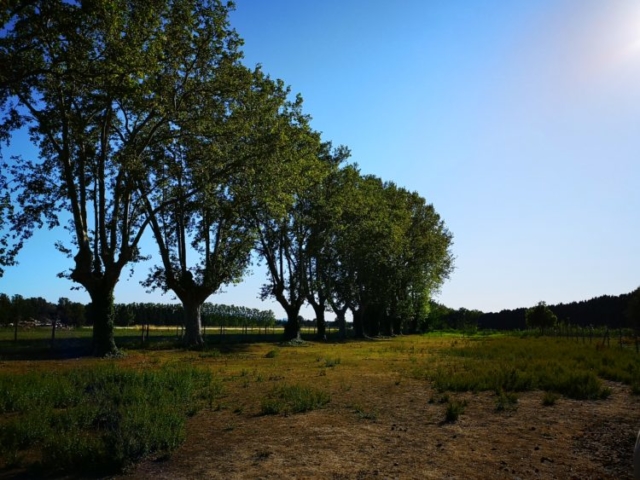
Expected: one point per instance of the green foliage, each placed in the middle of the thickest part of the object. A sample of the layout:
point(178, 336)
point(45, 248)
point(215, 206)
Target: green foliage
point(364, 413)
point(515, 365)
point(540, 317)
point(390, 253)
point(332, 362)
point(550, 398)
point(8, 251)
point(272, 353)
point(454, 409)
point(633, 310)
point(287, 399)
point(100, 419)
point(579, 385)
point(506, 401)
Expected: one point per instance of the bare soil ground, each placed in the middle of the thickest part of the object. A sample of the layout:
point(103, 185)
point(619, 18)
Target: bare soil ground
point(381, 423)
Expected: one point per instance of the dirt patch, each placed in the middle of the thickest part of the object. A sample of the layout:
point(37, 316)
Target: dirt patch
point(381, 425)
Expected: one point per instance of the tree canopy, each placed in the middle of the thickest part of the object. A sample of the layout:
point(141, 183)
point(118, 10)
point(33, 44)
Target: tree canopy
point(146, 119)
point(541, 317)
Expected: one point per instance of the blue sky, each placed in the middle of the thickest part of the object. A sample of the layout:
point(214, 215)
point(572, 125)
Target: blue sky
point(518, 120)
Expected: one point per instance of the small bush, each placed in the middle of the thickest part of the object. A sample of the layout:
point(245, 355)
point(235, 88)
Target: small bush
point(455, 408)
point(331, 362)
point(550, 398)
point(506, 401)
point(272, 353)
point(288, 399)
point(581, 386)
point(364, 414)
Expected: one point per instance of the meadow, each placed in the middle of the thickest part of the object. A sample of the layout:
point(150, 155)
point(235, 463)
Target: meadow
point(429, 406)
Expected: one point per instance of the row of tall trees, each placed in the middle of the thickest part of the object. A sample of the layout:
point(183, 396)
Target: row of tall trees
point(146, 120)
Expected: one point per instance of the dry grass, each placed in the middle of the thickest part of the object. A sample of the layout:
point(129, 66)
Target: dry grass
point(382, 420)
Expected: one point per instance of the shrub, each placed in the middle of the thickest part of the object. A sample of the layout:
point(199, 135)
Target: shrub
point(331, 362)
point(550, 398)
point(455, 408)
point(506, 401)
point(580, 386)
point(365, 414)
point(288, 399)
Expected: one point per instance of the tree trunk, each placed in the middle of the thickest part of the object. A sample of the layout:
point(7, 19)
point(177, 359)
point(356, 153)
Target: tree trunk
point(342, 323)
point(358, 322)
point(192, 322)
point(292, 327)
point(386, 323)
point(371, 321)
point(103, 315)
point(320, 321)
point(397, 324)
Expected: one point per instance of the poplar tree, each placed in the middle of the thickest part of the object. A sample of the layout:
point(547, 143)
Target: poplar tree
point(102, 86)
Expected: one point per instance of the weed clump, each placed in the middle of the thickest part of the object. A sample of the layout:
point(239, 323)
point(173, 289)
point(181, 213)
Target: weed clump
point(506, 401)
point(287, 399)
point(365, 414)
point(272, 353)
point(455, 408)
point(549, 399)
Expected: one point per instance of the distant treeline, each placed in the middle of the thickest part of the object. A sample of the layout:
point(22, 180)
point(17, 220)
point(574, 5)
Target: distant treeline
point(215, 315)
point(37, 309)
point(605, 311)
point(75, 314)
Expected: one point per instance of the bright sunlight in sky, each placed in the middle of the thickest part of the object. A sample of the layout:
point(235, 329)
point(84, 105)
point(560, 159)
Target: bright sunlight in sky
point(518, 120)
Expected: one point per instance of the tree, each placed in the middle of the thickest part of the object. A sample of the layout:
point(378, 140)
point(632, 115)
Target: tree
point(633, 313)
point(540, 317)
point(102, 85)
point(284, 179)
point(217, 164)
point(633, 309)
point(389, 254)
point(320, 210)
point(5, 310)
point(417, 257)
point(8, 251)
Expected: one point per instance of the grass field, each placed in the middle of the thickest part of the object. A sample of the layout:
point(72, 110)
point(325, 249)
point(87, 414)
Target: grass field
point(388, 403)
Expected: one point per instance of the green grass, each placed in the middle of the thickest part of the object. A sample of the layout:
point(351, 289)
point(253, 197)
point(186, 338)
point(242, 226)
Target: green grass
point(287, 399)
point(99, 419)
point(272, 353)
point(550, 398)
point(506, 401)
point(517, 365)
point(454, 409)
point(365, 414)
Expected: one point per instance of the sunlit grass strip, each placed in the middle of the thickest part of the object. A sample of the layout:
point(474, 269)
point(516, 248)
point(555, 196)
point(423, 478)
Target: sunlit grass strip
point(287, 399)
point(100, 419)
point(516, 365)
